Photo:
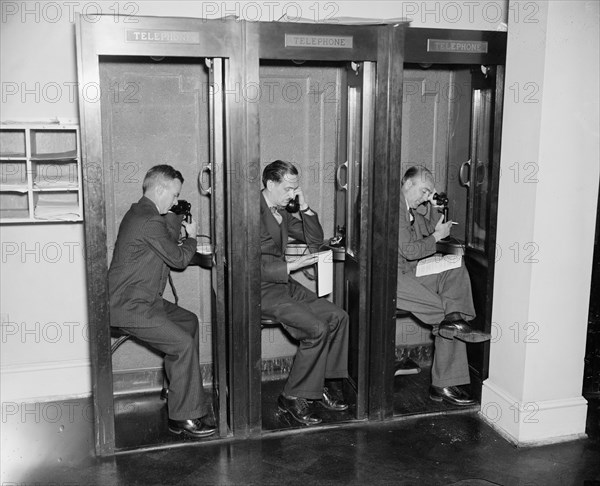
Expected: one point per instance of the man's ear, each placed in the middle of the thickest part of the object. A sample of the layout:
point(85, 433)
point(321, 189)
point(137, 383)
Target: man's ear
point(270, 185)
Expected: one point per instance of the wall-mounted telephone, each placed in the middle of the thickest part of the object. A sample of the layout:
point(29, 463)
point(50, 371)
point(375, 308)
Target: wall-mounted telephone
point(450, 244)
point(293, 206)
point(183, 207)
point(441, 199)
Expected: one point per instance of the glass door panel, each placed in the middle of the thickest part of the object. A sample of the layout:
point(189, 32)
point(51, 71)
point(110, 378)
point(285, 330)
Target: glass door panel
point(482, 116)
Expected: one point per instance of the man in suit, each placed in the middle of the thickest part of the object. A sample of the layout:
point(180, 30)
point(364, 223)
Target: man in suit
point(442, 300)
point(320, 326)
point(147, 247)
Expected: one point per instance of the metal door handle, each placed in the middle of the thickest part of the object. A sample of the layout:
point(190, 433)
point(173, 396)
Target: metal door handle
point(461, 176)
point(338, 178)
point(204, 191)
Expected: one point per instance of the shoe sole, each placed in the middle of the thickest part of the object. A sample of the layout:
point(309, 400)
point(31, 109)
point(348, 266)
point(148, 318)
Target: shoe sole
point(435, 398)
point(412, 371)
point(333, 409)
point(193, 436)
point(283, 410)
point(469, 337)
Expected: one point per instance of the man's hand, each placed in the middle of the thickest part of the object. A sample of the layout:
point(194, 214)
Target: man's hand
point(442, 230)
point(190, 228)
point(303, 261)
point(303, 204)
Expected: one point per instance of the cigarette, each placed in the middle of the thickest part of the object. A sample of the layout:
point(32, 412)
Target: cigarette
point(454, 222)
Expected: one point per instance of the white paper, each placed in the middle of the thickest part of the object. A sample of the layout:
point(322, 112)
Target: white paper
point(437, 264)
point(325, 273)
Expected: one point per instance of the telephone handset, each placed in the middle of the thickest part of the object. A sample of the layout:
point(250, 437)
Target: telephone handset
point(449, 245)
point(293, 206)
point(183, 208)
point(441, 200)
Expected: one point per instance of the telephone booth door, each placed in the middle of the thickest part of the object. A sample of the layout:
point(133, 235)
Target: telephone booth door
point(154, 92)
point(322, 107)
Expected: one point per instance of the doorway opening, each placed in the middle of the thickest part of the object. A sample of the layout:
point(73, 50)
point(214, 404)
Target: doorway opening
point(159, 110)
point(451, 121)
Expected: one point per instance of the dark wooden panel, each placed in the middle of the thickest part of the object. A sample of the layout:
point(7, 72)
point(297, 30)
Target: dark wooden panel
point(96, 251)
point(384, 213)
point(482, 268)
point(243, 185)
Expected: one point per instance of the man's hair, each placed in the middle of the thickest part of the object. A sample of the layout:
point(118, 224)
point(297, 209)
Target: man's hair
point(416, 171)
point(160, 174)
point(275, 171)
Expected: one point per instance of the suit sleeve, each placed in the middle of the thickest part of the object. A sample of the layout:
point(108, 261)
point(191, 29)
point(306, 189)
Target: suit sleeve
point(161, 236)
point(307, 229)
point(273, 270)
point(174, 224)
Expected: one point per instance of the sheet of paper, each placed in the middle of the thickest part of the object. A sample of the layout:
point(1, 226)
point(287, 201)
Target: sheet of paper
point(437, 264)
point(325, 273)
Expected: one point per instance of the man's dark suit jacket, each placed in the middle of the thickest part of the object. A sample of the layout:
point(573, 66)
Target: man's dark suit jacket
point(145, 249)
point(273, 242)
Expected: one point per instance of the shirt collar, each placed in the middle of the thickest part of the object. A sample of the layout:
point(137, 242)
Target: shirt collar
point(410, 213)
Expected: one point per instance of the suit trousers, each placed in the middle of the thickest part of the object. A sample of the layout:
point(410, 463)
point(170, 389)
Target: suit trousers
point(430, 298)
point(178, 339)
point(321, 328)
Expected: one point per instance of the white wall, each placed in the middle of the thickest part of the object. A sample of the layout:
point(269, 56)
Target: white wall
point(541, 303)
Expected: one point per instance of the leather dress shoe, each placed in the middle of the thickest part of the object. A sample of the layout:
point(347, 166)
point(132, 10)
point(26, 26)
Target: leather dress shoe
point(195, 428)
point(329, 402)
point(453, 395)
point(406, 366)
point(461, 330)
point(299, 409)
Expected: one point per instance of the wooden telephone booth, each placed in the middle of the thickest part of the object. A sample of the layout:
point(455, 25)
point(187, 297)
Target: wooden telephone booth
point(152, 92)
point(339, 125)
point(451, 124)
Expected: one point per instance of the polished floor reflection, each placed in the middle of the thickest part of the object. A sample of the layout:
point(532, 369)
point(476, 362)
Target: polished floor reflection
point(141, 421)
point(53, 444)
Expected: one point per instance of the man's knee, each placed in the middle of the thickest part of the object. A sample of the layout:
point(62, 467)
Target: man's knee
point(318, 330)
point(190, 323)
point(342, 318)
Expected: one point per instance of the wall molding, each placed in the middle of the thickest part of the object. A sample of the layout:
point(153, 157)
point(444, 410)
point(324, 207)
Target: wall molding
point(42, 382)
point(533, 423)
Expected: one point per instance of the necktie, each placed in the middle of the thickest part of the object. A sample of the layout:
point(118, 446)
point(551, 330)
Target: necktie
point(276, 214)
